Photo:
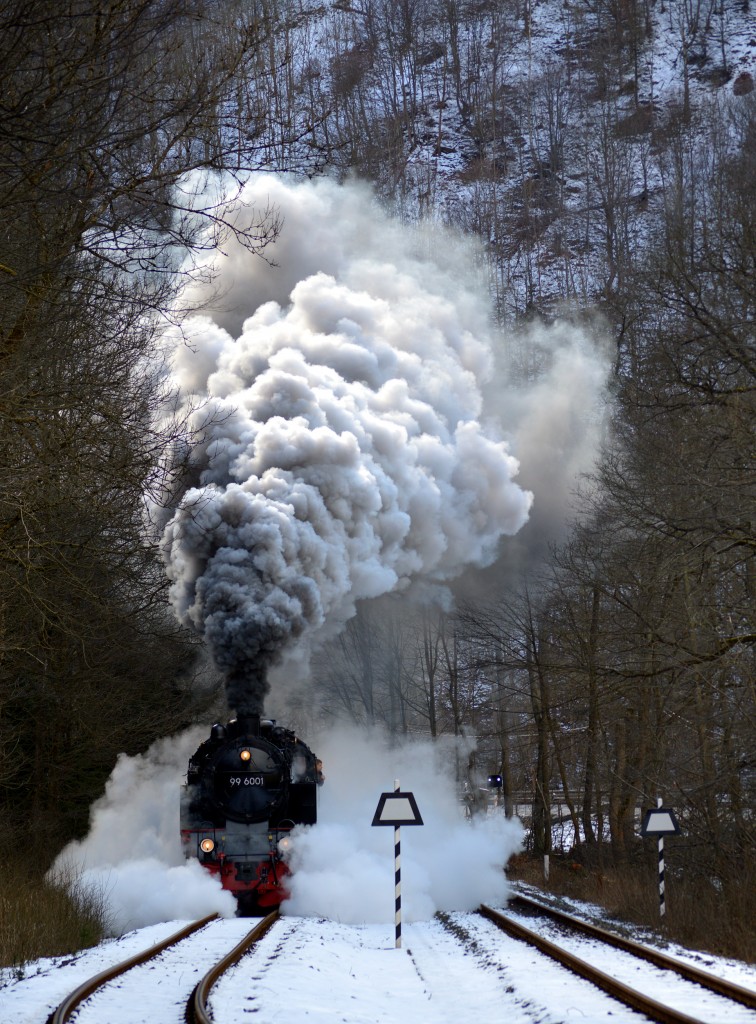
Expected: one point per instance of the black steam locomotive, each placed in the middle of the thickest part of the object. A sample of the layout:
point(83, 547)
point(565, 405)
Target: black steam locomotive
point(247, 786)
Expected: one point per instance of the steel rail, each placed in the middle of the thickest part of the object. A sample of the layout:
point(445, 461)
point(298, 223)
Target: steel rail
point(196, 1009)
point(630, 997)
point(723, 988)
point(72, 1001)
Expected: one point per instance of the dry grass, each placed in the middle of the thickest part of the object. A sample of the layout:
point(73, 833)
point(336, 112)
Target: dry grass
point(45, 918)
point(714, 918)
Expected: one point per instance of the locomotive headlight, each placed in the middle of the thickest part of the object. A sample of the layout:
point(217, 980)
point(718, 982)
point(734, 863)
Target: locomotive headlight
point(207, 845)
point(245, 754)
point(284, 845)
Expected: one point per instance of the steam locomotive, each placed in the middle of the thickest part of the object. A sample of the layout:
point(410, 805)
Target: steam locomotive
point(247, 786)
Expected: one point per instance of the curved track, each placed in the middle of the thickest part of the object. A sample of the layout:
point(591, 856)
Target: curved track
point(631, 997)
point(73, 1001)
point(196, 1008)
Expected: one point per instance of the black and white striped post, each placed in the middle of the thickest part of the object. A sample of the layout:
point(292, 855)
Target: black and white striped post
point(660, 822)
point(662, 903)
point(397, 880)
point(397, 809)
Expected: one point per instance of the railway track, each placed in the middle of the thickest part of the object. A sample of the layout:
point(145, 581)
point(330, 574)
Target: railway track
point(568, 927)
point(464, 970)
point(197, 1010)
point(196, 1005)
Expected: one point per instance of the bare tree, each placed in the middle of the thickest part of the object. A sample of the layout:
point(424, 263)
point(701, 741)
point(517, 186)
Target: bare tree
point(112, 118)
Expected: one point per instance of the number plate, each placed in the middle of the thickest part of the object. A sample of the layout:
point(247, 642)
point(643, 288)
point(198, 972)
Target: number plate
point(244, 781)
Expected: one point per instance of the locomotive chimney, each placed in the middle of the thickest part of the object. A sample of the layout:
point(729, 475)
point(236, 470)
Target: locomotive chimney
point(249, 724)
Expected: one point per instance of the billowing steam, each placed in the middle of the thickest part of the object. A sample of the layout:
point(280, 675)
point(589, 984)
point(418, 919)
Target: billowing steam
point(343, 868)
point(131, 857)
point(343, 452)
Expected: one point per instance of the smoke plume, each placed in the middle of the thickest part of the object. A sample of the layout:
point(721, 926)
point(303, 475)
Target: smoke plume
point(343, 449)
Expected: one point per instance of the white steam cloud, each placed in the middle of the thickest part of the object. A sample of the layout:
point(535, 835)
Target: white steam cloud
point(556, 421)
point(344, 453)
point(132, 855)
point(343, 868)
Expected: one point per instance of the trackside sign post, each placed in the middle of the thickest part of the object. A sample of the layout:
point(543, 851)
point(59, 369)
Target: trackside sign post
point(397, 809)
point(660, 822)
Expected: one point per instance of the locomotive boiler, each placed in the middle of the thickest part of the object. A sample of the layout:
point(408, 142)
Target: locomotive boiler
point(247, 786)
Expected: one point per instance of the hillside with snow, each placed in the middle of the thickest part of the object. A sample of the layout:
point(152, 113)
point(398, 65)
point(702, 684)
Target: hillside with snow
point(547, 129)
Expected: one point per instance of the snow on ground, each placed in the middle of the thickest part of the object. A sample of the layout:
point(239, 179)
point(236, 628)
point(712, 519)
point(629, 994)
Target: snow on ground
point(28, 994)
point(735, 971)
point(321, 972)
point(663, 986)
point(455, 968)
point(332, 956)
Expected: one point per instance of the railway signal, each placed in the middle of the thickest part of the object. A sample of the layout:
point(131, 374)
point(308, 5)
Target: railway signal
point(397, 809)
point(660, 822)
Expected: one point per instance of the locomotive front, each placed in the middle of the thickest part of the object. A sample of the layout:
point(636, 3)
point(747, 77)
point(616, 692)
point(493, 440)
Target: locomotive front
point(247, 786)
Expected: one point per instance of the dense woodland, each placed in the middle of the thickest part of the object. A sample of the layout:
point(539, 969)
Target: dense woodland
point(603, 152)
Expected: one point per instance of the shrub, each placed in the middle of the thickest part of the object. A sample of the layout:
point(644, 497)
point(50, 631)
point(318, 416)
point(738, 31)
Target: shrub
point(46, 916)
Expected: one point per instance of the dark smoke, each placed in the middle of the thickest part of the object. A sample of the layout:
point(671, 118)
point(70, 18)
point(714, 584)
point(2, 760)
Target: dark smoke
point(343, 455)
